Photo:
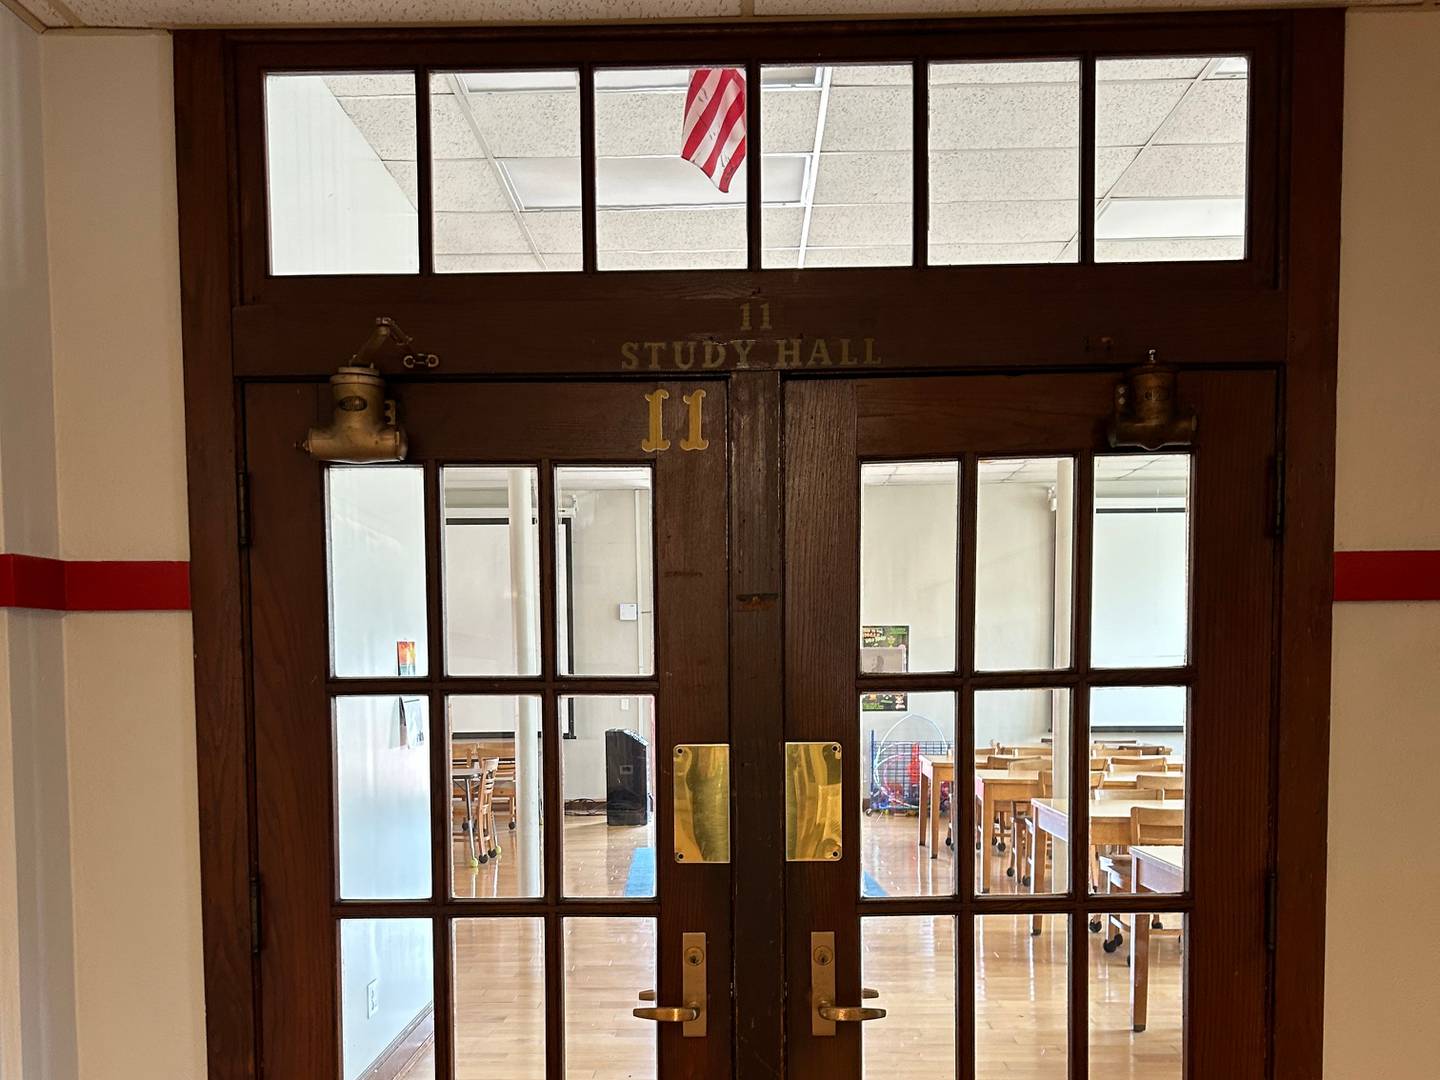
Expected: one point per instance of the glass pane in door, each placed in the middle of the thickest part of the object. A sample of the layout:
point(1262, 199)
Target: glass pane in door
point(608, 962)
point(387, 987)
point(497, 807)
point(908, 565)
point(604, 581)
point(382, 797)
point(909, 961)
point(1137, 999)
point(608, 774)
point(1022, 997)
point(491, 557)
point(499, 999)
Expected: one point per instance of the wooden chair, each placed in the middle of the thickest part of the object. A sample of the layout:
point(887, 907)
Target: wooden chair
point(462, 797)
point(505, 791)
point(489, 841)
point(1170, 785)
point(1137, 764)
point(1125, 794)
point(1028, 838)
point(1150, 825)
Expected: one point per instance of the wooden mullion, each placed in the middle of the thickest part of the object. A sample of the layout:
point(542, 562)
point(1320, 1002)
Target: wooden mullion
point(1082, 572)
point(554, 997)
point(920, 163)
point(444, 1014)
point(588, 212)
point(424, 164)
point(1086, 254)
point(754, 174)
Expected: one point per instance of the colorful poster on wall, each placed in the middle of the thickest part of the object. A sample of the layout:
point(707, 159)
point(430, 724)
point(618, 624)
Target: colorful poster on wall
point(884, 649)
point(405, 658)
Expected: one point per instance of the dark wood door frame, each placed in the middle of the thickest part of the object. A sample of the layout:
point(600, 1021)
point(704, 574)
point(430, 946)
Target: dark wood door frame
point(1280, 313)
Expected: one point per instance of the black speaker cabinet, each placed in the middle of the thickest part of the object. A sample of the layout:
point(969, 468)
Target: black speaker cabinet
point(627, 783)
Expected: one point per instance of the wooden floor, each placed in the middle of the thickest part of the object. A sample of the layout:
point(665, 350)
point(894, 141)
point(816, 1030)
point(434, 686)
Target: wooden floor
point(1021, 980)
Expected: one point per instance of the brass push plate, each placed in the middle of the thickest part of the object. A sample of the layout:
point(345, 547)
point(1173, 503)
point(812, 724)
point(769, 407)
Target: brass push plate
point(702, 803)
point(813, 815)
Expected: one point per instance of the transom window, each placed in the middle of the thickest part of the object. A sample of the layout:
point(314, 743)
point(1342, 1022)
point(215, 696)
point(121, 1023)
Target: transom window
point(611, 168)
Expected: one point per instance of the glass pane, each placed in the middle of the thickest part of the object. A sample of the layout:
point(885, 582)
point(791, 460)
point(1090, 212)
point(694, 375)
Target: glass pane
point(604, 582)
point(1141, 591)
point(907, 565)
point(837, 171)
point(1022, 997)
point(1137, 1006)
point(499, 983)
point(377, 570)
point(608, 771)
point(1138, 774)
point(505, 181)
point(907, 751)
point(1005, 162)
point(382, 797)
point(1170, 158)
point(1022, 788)
point(492, 571)
point(910, 962)
point(387, 987)
point(670, 168)
point(607, 963)
point(340, 156)
point(496, 807)
point(1024, 574)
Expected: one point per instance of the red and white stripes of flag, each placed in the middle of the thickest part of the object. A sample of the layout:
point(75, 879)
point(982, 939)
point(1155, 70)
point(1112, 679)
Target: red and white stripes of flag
point(714, 133)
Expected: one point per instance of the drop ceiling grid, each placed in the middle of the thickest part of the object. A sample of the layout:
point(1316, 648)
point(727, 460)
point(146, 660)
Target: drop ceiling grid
point(1004, 163)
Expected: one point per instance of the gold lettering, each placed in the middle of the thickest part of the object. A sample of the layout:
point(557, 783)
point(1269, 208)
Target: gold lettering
point(714, 355)
point(787, 352)
point(694, 440)
point(746, 315)
point(684, 357)
point(629, 358)
point(871, 360)
point(655, 347)
point(819, 354)
point(656, 441)
point(742, 347)
point(846, 360)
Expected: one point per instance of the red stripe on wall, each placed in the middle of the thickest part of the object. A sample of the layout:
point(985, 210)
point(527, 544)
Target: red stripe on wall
point(59, 585)
point(1387, 575)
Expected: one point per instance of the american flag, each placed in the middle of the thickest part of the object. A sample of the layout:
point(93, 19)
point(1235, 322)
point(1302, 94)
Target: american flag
point(714, 135)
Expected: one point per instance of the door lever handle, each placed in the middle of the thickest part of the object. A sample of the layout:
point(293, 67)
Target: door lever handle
point(692, 988)
point(867, 994)
point(846, 1014)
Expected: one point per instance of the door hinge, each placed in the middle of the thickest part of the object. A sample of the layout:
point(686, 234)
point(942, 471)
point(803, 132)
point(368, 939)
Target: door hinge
point(255, 914)
point(242, 508)
point(1277, 484)
point(1271, 909)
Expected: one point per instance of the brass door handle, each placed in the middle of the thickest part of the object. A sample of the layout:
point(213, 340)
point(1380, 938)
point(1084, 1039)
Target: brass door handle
point(847, 1013)
point(646, 995)
point(669, 1014)
point(867, 994)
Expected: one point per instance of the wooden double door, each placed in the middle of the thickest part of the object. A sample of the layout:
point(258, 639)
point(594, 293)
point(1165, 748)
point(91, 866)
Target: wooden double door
point(751, 726)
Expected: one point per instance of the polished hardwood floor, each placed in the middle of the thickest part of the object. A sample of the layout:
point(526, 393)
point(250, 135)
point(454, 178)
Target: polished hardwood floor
point(1021, 980)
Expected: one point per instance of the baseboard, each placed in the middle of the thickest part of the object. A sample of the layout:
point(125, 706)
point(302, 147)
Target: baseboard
point(406, 1047)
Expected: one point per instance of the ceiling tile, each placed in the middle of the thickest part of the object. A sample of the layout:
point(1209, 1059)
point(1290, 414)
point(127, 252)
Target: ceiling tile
point(788, 121)
point(978, 175)
point(855, 178)
point(780, 226)
point(1127, 113)
point(671, 230)
point(978, 254)
point(388, 124)
point(849, 226)
point(1214, 112)
point(405, 174)
point(1178, 249)
point(1110, 162)
point(871, 75)
point(869, 118)
point(467, 184)
point(529, 124)
point(682, 259)
point(1003, 222)
point(876, 255)
point(372, 85)
point(1184, 67)
point(490, 233)
point(1185, 170)
point(980, 117)
point(555, 230)
point(1008, 71)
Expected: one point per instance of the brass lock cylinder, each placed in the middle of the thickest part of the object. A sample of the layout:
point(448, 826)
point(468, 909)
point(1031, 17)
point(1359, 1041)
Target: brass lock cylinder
point(363, 428)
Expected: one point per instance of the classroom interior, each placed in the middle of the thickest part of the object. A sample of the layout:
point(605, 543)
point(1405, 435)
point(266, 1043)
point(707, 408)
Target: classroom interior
point(604, 620)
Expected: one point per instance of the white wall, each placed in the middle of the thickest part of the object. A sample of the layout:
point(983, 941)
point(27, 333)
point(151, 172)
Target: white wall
point(37, 932)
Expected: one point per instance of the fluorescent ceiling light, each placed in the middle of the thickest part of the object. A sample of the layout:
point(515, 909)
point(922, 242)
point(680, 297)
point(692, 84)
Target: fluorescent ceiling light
point(629, 183)
point(485, 81)
point(1149, 219)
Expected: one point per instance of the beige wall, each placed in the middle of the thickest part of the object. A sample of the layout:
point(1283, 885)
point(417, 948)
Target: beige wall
point(126, 829)
point(1383, 955)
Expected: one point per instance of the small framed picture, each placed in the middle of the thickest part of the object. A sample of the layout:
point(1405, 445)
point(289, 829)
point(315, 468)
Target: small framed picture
point(405, 658)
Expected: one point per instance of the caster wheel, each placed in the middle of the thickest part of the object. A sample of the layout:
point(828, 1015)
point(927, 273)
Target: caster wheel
point(1094, 926)
point(512, 826)
point(1009, 871)
point(1025, 880)
point(1127, 959)
point(1113, 944)
point(949, 842)
point(495, 853)
point(474, 861)
point(1156, 924)
point(484, 858)
point(977, 845)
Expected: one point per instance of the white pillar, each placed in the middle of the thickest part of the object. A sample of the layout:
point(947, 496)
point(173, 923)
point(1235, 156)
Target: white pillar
point(529, 779)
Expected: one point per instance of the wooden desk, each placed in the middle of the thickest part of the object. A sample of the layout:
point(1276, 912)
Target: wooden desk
point(1156, 869)
point(933, 772)
point(1109, 824)
point(994, 786)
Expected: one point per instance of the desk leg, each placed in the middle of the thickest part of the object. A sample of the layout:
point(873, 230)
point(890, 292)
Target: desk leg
point(934, 817)
point(924, 807)
point(1139, 969)
point(987, 817)
point(1042, 865)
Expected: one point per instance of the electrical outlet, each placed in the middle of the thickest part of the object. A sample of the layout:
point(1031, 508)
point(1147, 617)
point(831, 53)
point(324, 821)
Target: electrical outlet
point(372, 998)
point(624, 704)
